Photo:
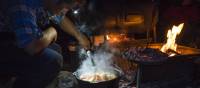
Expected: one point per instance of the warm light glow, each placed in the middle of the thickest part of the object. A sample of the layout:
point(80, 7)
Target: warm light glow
point(110, 38)
point(171, 38)
point(107, 37)
point(134, 19)
point(115, 39)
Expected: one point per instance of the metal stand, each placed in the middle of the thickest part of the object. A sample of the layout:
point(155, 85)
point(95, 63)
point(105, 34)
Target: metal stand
point(138, 80)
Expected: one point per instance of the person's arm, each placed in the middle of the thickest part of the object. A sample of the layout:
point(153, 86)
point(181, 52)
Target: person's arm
point(22, 21)
point(49, 36)
point(69, 27)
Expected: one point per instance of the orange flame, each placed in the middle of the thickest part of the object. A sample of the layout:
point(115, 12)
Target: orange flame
point(113, 38)
point(107, 37)
point(171, 38)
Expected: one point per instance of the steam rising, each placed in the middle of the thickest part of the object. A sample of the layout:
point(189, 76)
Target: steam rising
point(103, 63)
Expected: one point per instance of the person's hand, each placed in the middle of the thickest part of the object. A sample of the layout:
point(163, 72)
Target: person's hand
point(84, 42)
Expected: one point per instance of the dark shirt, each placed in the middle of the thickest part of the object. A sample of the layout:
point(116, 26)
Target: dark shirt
point(25, 18)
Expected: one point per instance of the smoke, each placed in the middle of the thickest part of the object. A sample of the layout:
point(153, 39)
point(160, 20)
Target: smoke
point(102, 59)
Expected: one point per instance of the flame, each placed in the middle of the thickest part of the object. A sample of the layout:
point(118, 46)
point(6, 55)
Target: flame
point(113, 38)
point(107, 37)
point(171, 38)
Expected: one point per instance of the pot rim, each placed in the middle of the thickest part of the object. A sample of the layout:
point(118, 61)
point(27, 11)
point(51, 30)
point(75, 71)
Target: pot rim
point(119, 74)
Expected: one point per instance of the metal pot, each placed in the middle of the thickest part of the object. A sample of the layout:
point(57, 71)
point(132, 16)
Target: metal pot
point(104, 84)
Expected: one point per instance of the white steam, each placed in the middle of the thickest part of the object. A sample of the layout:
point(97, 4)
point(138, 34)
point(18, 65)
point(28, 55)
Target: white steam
point(103, 63)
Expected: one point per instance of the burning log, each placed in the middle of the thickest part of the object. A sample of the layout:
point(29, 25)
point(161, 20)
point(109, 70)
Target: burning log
point(171, 39)
point(171, 52)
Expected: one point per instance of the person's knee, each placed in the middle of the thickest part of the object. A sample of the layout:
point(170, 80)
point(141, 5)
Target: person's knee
point(57, 59)
point(52, 57)
point(56, 47)
point(43, 68)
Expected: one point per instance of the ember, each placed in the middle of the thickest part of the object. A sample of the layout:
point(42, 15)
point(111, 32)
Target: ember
point(146, 55)
point(171, 39)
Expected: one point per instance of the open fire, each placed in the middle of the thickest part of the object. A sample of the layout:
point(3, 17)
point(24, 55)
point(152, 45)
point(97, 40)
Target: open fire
point(171, 39)
point(115, 38)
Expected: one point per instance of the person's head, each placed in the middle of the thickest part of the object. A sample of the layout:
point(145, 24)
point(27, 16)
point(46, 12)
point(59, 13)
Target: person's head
point(55, 6)
point(187, 2)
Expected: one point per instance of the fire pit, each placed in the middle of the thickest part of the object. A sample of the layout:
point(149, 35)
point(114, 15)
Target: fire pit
point(166, 71)
point(183, 50)
point(166, 65)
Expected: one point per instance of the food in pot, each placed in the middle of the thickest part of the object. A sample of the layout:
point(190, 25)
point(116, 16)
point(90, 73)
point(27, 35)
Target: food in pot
point(97, 77)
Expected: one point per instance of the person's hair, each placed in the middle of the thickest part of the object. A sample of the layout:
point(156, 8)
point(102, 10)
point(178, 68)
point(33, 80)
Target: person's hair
point(70, 2)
